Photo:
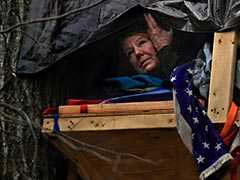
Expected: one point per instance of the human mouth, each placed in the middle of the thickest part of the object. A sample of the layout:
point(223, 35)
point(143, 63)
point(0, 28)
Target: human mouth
point(144, 63)
point(148, 65)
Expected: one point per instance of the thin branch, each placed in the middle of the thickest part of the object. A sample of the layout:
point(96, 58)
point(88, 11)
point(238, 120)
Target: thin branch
point(8, 132)
point(108, 150)
point(65, 141)
point(30, 124)
point(11, 119)
point(38, 20)
point(92, 149)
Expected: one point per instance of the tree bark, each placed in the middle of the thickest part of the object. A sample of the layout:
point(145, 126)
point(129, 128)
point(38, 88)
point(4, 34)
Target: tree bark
point(23, 152)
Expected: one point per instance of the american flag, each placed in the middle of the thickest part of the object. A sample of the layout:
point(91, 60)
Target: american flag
point(195, 128)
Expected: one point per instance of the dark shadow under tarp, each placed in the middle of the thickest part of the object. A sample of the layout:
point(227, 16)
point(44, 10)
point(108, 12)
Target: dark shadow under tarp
point(46, 43)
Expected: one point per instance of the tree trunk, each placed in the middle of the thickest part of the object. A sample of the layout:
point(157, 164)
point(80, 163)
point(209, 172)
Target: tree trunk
point(24, 154)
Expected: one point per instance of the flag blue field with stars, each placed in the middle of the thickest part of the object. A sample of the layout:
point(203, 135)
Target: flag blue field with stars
point(195, 128)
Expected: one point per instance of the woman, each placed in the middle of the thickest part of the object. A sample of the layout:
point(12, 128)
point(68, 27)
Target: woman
point(157, 51)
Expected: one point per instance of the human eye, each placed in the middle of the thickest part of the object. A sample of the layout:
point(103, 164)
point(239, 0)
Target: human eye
point(142, 42)
point(129, 52)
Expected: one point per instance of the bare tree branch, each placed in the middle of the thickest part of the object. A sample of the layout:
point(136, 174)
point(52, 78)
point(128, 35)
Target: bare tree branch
point(90, 146)
point(39, 20)
point(14, 140)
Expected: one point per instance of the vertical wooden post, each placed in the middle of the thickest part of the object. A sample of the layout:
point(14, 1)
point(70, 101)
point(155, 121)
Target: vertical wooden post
point(222, 74)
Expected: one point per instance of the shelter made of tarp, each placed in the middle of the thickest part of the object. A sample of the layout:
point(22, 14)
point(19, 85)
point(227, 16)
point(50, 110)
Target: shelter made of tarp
point(80, 23)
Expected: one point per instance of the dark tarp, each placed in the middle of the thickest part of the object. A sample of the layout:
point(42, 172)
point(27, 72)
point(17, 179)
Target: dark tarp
point(48, 42)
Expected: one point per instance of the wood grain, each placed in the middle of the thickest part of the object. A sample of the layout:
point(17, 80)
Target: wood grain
point(222, 74)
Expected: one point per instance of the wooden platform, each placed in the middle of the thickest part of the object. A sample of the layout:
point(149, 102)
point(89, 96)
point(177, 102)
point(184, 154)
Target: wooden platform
point(124, 145)
point(143, 145)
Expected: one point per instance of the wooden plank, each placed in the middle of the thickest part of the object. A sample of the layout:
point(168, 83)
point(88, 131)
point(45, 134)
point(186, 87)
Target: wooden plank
point(128, 154)
point(118, 113)
point(98, 123)
point(222, 75)
point(82, 122)
point(116, 107)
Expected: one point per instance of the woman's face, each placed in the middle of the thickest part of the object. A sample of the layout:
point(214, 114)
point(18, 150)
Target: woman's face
point(141, 53)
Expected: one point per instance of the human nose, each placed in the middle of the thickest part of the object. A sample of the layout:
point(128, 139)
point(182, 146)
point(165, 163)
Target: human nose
point(138, 52)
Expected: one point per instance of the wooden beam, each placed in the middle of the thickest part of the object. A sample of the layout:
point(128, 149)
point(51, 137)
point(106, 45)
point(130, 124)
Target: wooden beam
point(222, 74)
point(133, 107)
point(96, 122)
point(116, 122)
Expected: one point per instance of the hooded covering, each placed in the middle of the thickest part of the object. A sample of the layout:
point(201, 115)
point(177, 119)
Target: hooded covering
point(48, 42)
